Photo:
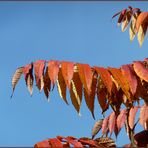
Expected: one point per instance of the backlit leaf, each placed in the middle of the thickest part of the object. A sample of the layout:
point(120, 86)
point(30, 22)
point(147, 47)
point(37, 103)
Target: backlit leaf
point(85, 74)
point(61, 86)
point(67, 71)
point(76, 91)
point(16, 78)
point(126, 20)
point(132, 29)
point(43, 144)
point(102, 97)
point(112, 122)
point(90, 99)
point(141, 70)
point(106, 77)
point(96, 128)
point(27, 71)
point(132, 115)
point(74, 142)
point(142, 19)
point(39, 71)
point(55, 142)
point(144, 116)
point(47, 83)
point(141, 33)
point(121, 119)
point(120, 79)
point(53, 69)
point(105, 125)
point(129, 74)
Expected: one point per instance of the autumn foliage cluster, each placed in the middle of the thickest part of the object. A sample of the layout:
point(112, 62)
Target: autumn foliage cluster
point(112, 87)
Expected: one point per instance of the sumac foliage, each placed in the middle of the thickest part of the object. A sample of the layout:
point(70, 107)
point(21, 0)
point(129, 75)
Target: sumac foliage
point(70, 141)
point(112, 86)
point(136, 20)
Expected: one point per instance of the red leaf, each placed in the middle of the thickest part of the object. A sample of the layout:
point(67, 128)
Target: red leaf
point(112, 122)
point(132, 115)
point(90, 99)
point(44, 143)
point(55, 142)
point(106, 77)
point(122, 15)
point(47, 83)
point(85, 74)
point(121, 119)
point(73, 141)
point(120, 79)
point(105, 125)
point(89, 142)
point(27, 70)
point(129, 74)
point(53, 69)
point(142, 18)
point(67, 71)
point(76, 91)
point(101, 95)
point(141, 70)
point(144, 116)
point(39, 69)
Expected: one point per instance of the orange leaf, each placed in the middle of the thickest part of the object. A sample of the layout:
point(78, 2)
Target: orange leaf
point(43, 144)
point(142, 18)
point(53, 69)
point(47, 83)
point(39, 71)
point(74, 142)
point(141, 70)
point(102, 99)
point(132, 115)
point(121, 119)
point(61, 86)
point(112, 122)
point(106, 77)
point(89, 142)
point(120, 79)
point(129, 74)
point(27, 70)
point(76, 91)
point(90, 99)
point(67, 71)
point(85, 74)
point(55, 142)
point(144, 116)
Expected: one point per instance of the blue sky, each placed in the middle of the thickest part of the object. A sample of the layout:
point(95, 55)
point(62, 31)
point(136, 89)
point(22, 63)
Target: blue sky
point(73, 31)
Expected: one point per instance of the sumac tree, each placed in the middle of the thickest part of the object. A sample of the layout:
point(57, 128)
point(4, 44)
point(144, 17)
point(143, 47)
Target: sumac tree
point(111, 86)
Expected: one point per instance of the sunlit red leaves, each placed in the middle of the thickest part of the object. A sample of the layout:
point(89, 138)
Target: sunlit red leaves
point(138, 22)
point(113, 86)
point(74, 142)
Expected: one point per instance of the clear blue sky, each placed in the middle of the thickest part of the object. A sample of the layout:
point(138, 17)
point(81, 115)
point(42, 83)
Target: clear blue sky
point(74, 31)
